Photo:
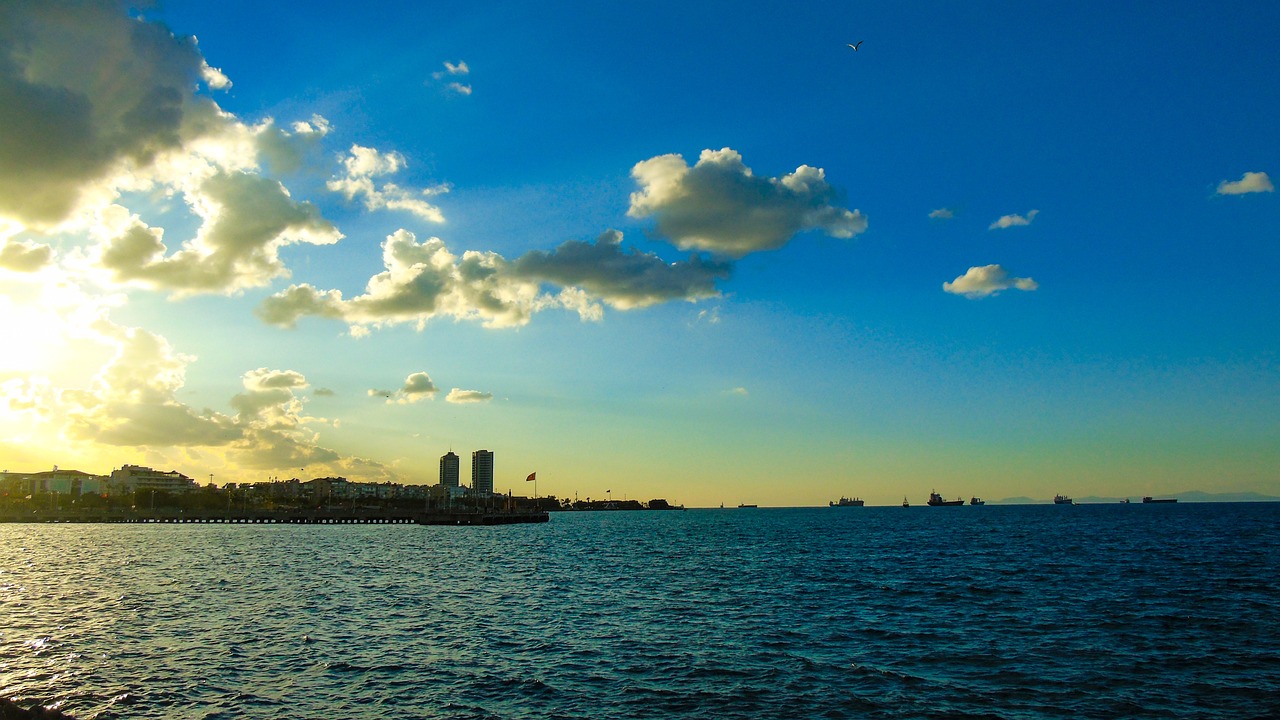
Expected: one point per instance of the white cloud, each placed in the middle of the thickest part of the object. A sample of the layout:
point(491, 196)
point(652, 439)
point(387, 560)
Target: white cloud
point(423, 280)
point(987, 280)
point(718, 205)
point(418, 386)
point(451, 69)
point(464, 397)
point(1252, 182)
point(942, 214)
point(247, 219)
point(710, 316)
point(362, 164)
point(213, 77)
point(454, 70)
point(1008, 221)
point(738, 391)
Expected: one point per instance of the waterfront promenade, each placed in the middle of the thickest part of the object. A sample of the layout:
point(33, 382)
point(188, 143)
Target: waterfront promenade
point(359, 516)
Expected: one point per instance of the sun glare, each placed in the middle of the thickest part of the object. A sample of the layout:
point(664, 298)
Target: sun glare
point(36, 334)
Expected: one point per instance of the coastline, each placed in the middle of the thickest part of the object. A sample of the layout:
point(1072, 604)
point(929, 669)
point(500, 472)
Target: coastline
point(358, 516)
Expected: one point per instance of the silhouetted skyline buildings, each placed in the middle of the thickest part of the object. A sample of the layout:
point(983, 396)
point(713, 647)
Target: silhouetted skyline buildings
point(482, 472)
point(449, 469)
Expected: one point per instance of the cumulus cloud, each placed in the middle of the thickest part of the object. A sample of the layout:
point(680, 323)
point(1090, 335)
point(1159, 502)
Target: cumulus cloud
point(719, 205)
point(275, 430)
point(78, 106)
point(133, 399)
point(418, 386)
point(987, 280)
point(1252, 182)
point(423, 280)
point(286, 150)
point(247, 220)
point(24, 256)
point(465, 397)
point(1008, 221)
point(212, 76)
point(942, 214)
point(133, 402)
point(363, 164)
point(622, 278)
point(78, 148)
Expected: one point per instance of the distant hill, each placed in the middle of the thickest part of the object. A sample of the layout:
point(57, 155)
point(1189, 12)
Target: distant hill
point(1189, 496)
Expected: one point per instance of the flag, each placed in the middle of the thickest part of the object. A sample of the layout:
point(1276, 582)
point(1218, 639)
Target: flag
point(532, 475)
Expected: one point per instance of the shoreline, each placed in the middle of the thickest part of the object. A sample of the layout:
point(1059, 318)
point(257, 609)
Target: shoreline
point(278, 517)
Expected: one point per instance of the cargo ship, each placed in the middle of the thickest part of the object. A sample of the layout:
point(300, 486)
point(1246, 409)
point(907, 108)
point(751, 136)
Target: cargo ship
point(846, 502)
point(935, 500)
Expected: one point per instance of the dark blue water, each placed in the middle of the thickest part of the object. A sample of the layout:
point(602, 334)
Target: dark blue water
point(1115, 611)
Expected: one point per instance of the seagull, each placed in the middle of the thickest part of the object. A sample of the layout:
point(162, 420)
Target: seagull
point(855, 47)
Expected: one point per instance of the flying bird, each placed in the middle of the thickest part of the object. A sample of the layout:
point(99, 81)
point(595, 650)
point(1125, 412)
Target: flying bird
point(855, 47)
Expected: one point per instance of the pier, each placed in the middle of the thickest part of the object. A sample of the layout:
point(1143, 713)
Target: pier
point(274, 517)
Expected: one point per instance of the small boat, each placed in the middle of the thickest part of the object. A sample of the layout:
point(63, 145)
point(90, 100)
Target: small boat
point(904, 502)
point(846, 502)
point(1149, 499)
point(935, 500)
point(977, 501)
point(1063, 500)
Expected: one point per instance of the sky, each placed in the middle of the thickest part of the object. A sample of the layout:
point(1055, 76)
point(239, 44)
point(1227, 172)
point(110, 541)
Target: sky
point(702, 251)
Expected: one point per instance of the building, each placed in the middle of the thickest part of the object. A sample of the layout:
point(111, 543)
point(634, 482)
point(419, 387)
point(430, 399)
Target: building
point(482, 473)
point(132, 478)
point(449, 469)
point(330, 488)
point(55, 482)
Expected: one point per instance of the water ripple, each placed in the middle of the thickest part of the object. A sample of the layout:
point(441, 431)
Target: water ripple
point(996, 612)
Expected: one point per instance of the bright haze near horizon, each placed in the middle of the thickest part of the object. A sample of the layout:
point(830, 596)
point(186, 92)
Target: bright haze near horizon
point(701, 251)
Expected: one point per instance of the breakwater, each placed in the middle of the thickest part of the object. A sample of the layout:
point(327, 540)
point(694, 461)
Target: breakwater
point(469, 516)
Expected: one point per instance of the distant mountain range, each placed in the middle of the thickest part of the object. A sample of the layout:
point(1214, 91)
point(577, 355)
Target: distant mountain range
point(1190, 496)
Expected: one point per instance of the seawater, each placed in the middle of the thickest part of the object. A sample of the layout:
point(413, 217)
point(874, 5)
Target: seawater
point(1167, 611)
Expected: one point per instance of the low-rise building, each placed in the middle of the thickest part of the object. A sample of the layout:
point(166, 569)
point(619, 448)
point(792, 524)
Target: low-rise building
point(132, 478)
point(52, 482)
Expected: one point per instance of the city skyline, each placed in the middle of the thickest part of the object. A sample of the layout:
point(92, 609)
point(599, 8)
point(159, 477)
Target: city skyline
point(696, 251)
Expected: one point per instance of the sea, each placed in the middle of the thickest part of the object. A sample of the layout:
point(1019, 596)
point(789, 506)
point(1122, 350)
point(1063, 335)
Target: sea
point(1016, 612)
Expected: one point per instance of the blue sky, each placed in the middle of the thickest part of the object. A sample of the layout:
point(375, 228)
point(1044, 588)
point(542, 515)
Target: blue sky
point(696, 250)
